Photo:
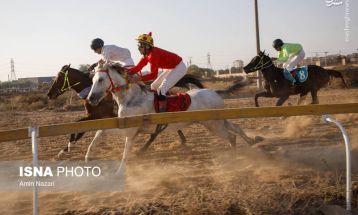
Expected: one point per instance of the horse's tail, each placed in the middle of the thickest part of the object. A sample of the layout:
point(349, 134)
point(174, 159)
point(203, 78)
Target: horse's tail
point(237, 85)
point(337, 74)
point(189, 79)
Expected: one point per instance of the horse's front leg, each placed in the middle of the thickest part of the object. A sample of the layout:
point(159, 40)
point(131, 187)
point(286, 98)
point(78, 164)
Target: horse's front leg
point(149, 142)
point(130, 134)
point(182, 138)
point(262, 94)
point(74, 138)
point(98, 134)
point(158, 130)
point(282, 100)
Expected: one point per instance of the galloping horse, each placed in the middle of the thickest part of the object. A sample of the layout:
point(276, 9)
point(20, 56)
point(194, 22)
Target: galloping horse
point(124, 93)
point(278, 86)
point(70, 78)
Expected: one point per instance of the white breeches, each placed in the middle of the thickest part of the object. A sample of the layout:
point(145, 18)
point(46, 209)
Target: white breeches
point(294, 60)
point(168, 79)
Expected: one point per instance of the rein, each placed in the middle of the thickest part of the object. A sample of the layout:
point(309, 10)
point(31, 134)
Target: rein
point(263, 65)
point(112, 87)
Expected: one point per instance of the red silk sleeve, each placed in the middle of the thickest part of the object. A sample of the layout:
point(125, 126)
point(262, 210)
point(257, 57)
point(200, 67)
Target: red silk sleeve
point(139, 66)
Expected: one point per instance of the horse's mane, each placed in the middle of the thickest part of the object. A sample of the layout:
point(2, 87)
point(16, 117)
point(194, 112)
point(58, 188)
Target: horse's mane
point(120, 69)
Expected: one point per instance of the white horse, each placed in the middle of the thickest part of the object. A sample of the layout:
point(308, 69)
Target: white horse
point(135, 99)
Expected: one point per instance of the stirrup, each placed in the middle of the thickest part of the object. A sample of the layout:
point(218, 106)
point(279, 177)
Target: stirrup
point(162, 103)
point(162, 106)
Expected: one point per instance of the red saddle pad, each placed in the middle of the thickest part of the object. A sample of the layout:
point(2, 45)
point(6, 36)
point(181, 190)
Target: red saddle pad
point(178, 102)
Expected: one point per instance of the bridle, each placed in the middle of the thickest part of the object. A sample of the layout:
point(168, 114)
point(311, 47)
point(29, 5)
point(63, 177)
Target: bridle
point(112, 87)
point(263, 65)
point(66, 82)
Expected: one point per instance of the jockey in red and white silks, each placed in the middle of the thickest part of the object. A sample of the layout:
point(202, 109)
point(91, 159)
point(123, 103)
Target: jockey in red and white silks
point(159, 58)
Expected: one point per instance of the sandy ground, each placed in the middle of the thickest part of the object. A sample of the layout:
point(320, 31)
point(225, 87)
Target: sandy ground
point(297, 169)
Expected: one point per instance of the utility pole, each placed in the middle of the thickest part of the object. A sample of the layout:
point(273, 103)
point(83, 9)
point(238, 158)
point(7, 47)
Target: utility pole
point(208, 66)
point(259, 75)
point(325, 58)
point(12, 74)
point(317, 62)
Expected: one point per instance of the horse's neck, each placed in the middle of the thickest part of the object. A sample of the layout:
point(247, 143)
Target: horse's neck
point(134, 100)
point(272, 73)
point(84, 83)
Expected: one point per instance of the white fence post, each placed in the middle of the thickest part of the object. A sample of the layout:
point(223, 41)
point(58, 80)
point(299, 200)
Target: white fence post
point(34, 132)
point(327, 118)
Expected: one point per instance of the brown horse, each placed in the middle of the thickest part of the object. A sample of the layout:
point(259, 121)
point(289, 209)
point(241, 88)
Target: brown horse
point(70, 78)
point(278, 86)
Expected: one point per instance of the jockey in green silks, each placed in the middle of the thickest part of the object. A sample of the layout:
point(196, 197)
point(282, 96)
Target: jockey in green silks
point(291, 54)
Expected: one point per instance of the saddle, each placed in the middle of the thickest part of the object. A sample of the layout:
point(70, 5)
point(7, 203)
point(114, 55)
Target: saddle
point(178, 102)
point(300, 74)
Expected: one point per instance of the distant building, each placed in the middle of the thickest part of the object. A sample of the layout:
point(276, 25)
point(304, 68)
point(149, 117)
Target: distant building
point(38, 81)
point(238, 64)
point(332, 60)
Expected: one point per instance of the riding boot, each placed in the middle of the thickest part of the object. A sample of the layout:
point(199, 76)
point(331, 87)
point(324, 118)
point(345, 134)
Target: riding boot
point(162, 103)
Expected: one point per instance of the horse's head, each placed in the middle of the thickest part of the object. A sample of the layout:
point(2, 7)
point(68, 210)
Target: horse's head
point(55, 89)
point(66, 79)
point(259, 62)
point(108, 78)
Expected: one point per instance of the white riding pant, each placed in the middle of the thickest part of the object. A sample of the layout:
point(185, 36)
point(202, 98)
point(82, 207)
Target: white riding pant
point(294, 60)
point(168, 79)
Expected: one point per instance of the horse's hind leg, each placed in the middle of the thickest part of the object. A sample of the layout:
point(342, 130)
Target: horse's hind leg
point(218, 128)
point(302, 98)
point(235, 128)
point(314, 96)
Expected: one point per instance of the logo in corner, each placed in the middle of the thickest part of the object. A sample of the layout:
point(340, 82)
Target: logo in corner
point(331, 3)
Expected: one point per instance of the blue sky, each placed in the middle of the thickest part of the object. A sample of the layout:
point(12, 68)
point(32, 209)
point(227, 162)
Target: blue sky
point(43, 35)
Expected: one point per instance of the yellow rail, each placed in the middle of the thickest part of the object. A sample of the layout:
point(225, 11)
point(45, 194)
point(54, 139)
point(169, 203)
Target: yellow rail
point(163, 118)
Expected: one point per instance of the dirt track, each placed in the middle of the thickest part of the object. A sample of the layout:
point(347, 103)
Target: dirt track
point(297, 169)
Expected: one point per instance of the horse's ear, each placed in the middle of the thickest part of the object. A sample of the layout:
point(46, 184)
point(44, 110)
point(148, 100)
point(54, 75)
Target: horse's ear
point(69, 65)
point(261, 53)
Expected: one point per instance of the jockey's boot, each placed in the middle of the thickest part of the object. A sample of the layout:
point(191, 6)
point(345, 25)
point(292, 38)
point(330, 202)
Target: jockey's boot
point(162, 103)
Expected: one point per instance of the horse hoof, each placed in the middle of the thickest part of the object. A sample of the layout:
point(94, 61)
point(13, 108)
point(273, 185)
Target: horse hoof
point(60, 153)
